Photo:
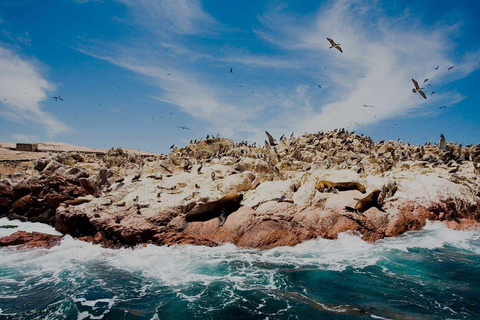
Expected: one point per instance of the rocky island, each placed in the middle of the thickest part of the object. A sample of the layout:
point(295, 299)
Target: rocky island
point(289, 191)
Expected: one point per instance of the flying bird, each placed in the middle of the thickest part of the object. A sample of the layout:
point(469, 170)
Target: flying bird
point(182, 127)
point(319, 86)
point(270, 139)
point(432, 93)
point(368, 106)
point(442, 107)
point(426, 80)
point(231, 70)
point(334, 45)
point(437, 68)
point(451, 68)
point(56, 98)
point(418, 89)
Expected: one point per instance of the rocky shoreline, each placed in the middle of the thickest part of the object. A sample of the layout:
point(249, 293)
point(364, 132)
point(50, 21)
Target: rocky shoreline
point(125, 200)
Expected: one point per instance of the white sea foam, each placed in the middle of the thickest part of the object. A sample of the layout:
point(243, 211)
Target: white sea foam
point(25, 226)
point(239, 269)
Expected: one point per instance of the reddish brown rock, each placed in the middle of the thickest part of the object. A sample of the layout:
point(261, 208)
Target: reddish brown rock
point(23, 205)
point(30, 239)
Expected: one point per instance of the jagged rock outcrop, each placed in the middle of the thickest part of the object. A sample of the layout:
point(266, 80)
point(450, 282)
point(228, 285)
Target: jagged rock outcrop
point(123, 200)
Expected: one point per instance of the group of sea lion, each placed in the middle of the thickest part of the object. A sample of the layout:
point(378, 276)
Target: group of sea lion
point(371, 200)
point(230, 203)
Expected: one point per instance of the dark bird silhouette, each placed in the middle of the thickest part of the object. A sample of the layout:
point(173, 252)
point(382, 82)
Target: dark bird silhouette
point(437, 67)
point(182, 127)
point(319, 86)
point(442, 143)
point(231, 70)
point(56, 98)
point(334, 45)
point(172, 147)
point(451, 68)
point(270, 139)
point(426, 80)
point(418, 89)
point(432, 93)
point(442, 107)
point(368, 106)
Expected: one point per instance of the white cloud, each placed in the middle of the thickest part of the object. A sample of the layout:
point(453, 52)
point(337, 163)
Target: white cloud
point(174, 16)
point(18, 137)
point(376, 67)
point(22, 89)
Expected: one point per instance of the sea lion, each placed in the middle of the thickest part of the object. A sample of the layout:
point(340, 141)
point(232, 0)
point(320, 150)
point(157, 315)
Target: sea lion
point(340, 186)
point(216, 209)
point(366, 203)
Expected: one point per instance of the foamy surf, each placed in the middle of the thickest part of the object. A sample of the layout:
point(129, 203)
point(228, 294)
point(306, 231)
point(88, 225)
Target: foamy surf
point(91, 282)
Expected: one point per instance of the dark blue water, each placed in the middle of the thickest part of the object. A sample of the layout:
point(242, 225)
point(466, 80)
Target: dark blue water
point(430, 274)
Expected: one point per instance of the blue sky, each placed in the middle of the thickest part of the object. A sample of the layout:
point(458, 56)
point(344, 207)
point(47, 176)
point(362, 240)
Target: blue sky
point(131, 71)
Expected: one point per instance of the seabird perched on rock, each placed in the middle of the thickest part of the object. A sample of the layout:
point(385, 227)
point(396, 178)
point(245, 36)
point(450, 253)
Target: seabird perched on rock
point(442, 143)
point(270, 139)
point(334, 45)
point(418, 89)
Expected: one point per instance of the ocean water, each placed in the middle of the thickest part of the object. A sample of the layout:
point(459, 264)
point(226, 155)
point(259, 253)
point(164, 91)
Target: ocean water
point(429, 274)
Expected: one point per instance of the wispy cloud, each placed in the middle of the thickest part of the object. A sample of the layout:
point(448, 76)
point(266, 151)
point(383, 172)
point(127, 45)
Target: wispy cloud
point(172, 16)
point(19, 137)
point(380, 57)
point(22, 89)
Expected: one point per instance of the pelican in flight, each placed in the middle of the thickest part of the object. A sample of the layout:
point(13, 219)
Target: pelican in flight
point(334, 45)
point(418, 89)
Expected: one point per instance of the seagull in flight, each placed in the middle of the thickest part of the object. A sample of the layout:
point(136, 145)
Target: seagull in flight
point(183, 128)
point(368, 106)
point(334, 45)
point(231, 70)
point(58, 98)
point(432, 93)
point(418, 89)
point(426, 80)
point(442, 107)
point(437, 67)
point(451, 68)
point(319, 86)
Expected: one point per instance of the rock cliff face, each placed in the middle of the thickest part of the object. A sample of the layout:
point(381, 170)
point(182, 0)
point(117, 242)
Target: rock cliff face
point(123, 201)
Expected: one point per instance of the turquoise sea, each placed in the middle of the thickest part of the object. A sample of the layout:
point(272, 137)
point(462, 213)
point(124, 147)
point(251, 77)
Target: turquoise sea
point(429, 274)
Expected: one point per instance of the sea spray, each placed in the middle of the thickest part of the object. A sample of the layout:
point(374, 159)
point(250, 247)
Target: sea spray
point(411, 276)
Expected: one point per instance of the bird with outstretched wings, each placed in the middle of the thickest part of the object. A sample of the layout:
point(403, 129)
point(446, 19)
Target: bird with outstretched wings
point(182, 127)
point(418, 89)
point(334, 45)
point(270, 139)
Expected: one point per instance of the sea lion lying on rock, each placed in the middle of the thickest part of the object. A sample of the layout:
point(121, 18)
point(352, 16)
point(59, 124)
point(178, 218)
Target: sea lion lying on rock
point(366, 203)
point(340, 186)
point(216, 209)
